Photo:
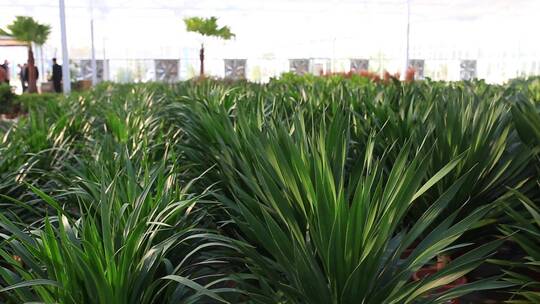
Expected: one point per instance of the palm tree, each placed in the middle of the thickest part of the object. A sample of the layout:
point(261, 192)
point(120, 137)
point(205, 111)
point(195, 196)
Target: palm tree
point(207, 27)
point(28, 30)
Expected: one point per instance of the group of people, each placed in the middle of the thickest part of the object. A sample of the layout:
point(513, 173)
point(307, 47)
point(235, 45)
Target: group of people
point(24, 75)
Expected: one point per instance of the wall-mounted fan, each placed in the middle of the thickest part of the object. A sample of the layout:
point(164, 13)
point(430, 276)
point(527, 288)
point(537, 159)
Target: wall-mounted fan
point(166, 70)
point(299, 66)
point(467, 69)
point(235, 68)
point(358, 65)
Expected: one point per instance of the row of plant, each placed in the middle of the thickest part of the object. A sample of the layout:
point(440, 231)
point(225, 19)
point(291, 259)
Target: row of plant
point(13, 105)
point(302, 190)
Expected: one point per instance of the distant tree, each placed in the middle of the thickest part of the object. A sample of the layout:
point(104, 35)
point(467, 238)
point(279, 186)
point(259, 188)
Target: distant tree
point(28, 30)
point(207, 27)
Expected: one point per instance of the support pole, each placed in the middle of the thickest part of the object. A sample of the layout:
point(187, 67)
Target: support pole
point(42, 75)
point(333, 65)
point(94, 65)
point(408, 38)
point(105, 63)
point(66, 78)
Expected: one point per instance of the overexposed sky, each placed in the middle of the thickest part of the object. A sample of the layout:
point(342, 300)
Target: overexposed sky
point(293, 28)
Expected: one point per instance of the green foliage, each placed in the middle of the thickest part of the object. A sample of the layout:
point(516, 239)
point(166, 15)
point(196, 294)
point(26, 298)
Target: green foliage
point(7, 98)
point(525, 231)
point(334, 237)
point(28, 100)
point(526, 117)
point(303, 190)
point(28, 30)
point(132, 243)
point(208, 27)
point(96, 206)
point(328, 211)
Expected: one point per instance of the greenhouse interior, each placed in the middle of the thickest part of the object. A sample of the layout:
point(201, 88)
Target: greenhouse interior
point(256, 151)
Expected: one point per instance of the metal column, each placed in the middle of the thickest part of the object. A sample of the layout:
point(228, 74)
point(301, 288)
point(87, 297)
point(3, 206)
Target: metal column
point(65, 56)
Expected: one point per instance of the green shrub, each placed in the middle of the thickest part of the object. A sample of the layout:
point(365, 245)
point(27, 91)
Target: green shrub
point(133, 243)
point(7, 99)
point(27, 100)
point(302, 190)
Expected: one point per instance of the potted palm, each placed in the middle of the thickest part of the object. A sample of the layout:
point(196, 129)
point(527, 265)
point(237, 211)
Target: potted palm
point(28, 30)
point(207, 27)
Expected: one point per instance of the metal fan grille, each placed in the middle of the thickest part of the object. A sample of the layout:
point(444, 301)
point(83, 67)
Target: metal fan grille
point(235, 68)
point(418, 66)
point(166, 70)
point(358, 65)
point(299, 66)
point(467, 69)
point(87, 72)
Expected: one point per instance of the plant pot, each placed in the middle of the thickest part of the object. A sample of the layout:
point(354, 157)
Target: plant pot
point(84, 85)
point(47, 87)
point(8, 116)
point(427, 271)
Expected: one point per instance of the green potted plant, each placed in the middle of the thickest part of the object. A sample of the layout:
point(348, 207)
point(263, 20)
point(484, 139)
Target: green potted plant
point(7, 98)
point(207, 27)
point(28, 30)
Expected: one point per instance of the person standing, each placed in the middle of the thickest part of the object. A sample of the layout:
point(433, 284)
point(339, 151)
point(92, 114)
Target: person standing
point(5, 66)
point(27, 74)
point(3, 75)
point(57, 76)
point(22, 76)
